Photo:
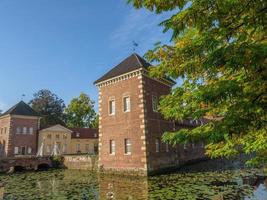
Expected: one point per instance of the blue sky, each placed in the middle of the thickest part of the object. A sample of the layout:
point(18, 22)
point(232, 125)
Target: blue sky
point(65, 45)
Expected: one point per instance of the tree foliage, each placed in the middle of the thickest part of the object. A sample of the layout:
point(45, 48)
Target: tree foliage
point(80, 112)
point(219, 49)
point(50, 106)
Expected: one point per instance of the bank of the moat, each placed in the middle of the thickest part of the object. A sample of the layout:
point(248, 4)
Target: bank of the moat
point(74, 184)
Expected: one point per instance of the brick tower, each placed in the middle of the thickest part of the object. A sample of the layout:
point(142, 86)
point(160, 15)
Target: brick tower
point(130, 127)
point(18, 131)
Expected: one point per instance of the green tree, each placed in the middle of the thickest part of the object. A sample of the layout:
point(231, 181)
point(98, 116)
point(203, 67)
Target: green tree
point(219, 50)
point(80, 112)
point(50, 106)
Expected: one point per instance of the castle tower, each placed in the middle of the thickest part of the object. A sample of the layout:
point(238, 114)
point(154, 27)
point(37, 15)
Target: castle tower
point(18, 131)
point(130, 127)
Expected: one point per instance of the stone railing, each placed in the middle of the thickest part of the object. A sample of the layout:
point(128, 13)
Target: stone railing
point(84, 162)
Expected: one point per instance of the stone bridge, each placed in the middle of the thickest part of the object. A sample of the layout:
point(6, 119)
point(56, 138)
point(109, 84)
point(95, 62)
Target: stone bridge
point(24, 163)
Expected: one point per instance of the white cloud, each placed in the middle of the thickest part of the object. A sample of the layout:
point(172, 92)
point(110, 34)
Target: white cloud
point(141, 26)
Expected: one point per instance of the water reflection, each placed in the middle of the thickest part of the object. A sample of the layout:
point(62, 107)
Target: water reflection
point(71, 184)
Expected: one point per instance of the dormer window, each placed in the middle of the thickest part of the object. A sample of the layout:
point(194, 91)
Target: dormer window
point(95, 135)
point(77, 134)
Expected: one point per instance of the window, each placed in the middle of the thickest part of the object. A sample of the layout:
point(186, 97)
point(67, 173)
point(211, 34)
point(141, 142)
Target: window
point(57, 136)
point(48, 148)
point(126, 104)
point(77, 134)
point(78, 148)
point(193, 145)
point(64, 137)
point(29, 150)
point(167, 147)
point(24, 130)
point(64, 148)
point(18, 130)
point(127, 146)
point(58, 147)
point(5, 130)
point(16, 150)
point(185, 146)
point(112, 107)
point(157, 145)
point(155, 103)
point(112, 147)
point(31, 130)
point(49, 136)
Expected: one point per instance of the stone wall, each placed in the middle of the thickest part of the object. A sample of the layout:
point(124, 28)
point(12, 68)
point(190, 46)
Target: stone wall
point(82, 162)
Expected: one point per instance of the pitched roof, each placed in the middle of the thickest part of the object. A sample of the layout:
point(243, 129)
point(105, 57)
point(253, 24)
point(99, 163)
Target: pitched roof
point(21, 108)
point(133, 62)
point(84, 133)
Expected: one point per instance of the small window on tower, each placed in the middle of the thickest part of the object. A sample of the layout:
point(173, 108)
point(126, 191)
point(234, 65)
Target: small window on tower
point(126, 104)
point(112, 147)
point(155, 103)
point(157, 145)
point(112, 107)
point(128, 146)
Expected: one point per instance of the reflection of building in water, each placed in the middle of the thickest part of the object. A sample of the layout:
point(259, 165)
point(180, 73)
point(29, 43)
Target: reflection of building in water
point(122, 187)
point(1, 193)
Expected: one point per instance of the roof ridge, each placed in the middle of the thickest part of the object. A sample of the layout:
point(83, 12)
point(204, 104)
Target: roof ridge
point(136, 56)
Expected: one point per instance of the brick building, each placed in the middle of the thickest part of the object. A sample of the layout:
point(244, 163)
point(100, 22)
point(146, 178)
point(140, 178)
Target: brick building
point(130, 127)
point(18, 131)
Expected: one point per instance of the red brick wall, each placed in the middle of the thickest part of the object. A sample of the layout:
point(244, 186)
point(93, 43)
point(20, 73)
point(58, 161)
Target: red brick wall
point(19, 140)
point(121, 125)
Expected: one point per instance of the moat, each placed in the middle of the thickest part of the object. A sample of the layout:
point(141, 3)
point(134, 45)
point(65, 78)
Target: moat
point(74, 184)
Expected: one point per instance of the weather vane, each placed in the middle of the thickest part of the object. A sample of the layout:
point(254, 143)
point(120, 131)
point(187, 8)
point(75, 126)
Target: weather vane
point(22, 97)
point(135, 44)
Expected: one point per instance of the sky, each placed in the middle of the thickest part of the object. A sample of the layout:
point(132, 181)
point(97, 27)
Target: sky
point(65, 45)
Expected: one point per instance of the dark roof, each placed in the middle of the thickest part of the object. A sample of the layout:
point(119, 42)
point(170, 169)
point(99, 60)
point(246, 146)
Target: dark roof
point(21, 108)
point(133, 62)
point(84, 133)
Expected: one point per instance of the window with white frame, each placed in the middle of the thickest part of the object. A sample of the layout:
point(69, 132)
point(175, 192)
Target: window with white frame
point(16, 150)
point(126, 104)
point(185, 146)
point(18, 130)
point(112, 147)
point(24, 130)
point(29, 150)
point(127, 146)
point(31, 130)
point(157, 145)
point(154, 103)
point(112, 107)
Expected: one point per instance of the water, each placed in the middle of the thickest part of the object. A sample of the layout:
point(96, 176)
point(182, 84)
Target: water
point(74, 184)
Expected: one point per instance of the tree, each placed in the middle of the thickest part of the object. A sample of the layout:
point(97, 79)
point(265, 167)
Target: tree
point(219, 49)
point(50, 106)
point(0, 112)
point(80, 112)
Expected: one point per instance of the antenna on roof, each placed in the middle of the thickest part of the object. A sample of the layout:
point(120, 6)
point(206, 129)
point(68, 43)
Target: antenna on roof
point(22, 97)
point(134, 45)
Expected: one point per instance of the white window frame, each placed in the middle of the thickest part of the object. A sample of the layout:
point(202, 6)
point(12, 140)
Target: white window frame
point(18, 130)
point(29, 150)
point(16, 150)
point(111, 107)
point(127, 146)
point(31, 130)
point(24, 130)
point(112, 147)
point(155, 102)
point(126, 104)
